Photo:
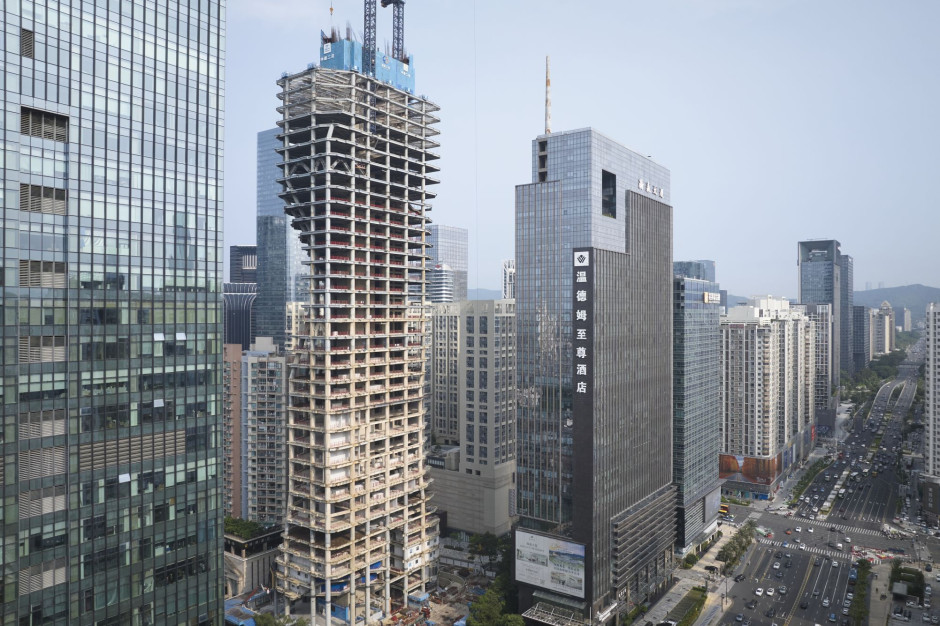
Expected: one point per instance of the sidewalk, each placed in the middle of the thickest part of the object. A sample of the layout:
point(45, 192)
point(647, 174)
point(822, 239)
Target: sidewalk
point(697, 576)
point(879, 610)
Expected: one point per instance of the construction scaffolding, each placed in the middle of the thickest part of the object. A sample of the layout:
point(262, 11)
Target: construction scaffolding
point(357, 158)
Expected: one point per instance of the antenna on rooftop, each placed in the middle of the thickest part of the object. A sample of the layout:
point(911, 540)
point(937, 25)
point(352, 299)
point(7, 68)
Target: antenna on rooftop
point(548, 96)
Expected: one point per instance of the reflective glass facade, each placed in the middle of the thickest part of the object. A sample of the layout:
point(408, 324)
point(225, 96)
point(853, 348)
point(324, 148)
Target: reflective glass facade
point(696, 379)
point(448, 246)
point(588, 476)
point(280, 257)
point(826, 277)
point(112, 326)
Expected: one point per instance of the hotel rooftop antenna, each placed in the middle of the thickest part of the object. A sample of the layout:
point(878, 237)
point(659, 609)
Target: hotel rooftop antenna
point(548, 96)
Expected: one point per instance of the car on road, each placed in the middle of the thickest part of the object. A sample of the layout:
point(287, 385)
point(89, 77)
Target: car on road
point(832, 618)
point(776, 564)
point(798, 529)
point(782, 590)
point(810, 529)
point(739, 617)
point(739, 578)
point(804, 604)
point(826, 601)
point(818, 561)
point(759, 592)
point(751, 604)
point(770, 591)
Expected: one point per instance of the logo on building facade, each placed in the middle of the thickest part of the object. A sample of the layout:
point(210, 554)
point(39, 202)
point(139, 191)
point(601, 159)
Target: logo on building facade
point(645, 185)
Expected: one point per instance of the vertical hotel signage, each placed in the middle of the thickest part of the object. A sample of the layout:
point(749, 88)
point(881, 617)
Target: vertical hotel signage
point(582, 325)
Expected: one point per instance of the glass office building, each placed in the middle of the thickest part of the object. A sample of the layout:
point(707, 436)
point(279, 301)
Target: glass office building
point(111, 336)
point(826, 278)
point(696, 410)
point(280, 269)
point(448, 246)
point(594, 384)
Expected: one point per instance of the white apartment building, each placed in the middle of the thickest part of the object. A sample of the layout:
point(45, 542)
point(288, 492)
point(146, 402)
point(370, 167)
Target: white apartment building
point(768, 383)
point(932, 414)
point(882, 329)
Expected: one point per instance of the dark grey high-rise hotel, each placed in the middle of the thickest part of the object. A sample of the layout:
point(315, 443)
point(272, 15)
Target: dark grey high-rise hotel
point(111, 270)
point(594, 322)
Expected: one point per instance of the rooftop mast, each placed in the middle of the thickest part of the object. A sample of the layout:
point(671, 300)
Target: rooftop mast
point(548, 96)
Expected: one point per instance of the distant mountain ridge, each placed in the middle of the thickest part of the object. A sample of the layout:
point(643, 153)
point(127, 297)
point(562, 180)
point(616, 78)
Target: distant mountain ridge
point(913, 297)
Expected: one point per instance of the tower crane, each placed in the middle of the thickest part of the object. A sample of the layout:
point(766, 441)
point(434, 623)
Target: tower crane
point(398, 27)
point(368, 30)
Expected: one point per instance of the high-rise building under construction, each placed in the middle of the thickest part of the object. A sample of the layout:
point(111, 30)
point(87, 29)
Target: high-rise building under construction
point(357, 159)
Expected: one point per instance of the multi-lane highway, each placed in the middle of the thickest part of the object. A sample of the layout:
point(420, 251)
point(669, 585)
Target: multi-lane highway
point(783, 585)
point(853, 505)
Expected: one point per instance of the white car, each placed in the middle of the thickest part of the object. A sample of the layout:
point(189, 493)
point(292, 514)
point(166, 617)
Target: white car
point(777, 565)
point(802, 546)
point(770, 591)
point(759, 591)
point(809, 529)
point(798, 529)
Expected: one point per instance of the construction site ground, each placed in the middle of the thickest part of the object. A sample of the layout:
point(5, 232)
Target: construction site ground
point(451, 603)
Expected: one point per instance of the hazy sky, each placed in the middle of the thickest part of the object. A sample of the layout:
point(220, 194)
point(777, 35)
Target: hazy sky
point(780, 120)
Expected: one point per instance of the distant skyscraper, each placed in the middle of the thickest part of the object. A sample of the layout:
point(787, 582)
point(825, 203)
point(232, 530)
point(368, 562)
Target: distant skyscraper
point(698, 270)
point(449, 247)
point(358, 160)
point(441, 284)
point(767, 394)
point(594, 324)
point(861, 337)
point(237, 304)
point(883, 329)
point(280, 269)
point(846, 327)
point(473, 414)
point(111, 273)
point(931, 501)
point(696, 410)
point(243, 264)
point(825, 277)
point(906, 324)
point(509, 279)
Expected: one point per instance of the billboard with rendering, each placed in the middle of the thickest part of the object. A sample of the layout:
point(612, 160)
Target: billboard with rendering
point(550, 563)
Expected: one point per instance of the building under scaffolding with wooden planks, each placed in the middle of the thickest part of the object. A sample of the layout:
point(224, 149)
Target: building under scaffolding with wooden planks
point(361, 536)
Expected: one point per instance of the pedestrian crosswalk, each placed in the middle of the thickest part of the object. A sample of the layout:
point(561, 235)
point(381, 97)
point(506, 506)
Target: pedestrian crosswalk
point(809, 549)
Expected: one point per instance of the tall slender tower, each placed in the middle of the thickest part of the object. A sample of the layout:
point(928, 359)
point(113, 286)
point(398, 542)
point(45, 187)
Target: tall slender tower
point(826, 277)
point(594, 371)
point(696, 355)
point(279, 258)
point(112, 269)
point(357, 164)
point(931, 499)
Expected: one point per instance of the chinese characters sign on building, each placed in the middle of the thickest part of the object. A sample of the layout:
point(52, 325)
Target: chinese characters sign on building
point(582, 325)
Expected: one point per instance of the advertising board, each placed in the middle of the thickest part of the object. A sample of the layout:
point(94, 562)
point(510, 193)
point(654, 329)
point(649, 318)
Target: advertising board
point(550, 563)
